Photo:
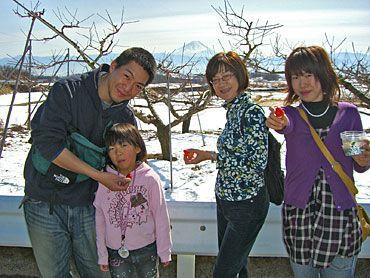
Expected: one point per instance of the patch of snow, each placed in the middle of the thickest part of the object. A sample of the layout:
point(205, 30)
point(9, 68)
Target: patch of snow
point(189, 183)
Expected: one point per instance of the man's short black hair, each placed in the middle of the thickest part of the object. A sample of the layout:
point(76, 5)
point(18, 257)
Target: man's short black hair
point(142, 57)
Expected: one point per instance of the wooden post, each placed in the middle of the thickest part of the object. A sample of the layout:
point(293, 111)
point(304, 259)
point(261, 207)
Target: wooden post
point(30, 83)
point(16, 87)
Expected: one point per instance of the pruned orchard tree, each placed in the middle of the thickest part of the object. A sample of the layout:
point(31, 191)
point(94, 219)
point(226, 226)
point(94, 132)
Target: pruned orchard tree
point(82, 35)
point(248, 36)
point(353, 71)
point(181, 103)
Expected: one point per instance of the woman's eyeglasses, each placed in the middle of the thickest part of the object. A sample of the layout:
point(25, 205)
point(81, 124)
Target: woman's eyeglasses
point(217, 81)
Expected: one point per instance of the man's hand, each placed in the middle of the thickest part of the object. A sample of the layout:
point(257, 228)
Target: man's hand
point(69, 161)
point(113, 182)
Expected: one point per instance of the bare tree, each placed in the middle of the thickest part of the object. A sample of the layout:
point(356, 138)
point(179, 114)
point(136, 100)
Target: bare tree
point(246, 35)
point(182, 103)
point(188, 108)
point(100, 42)
point(352, 69)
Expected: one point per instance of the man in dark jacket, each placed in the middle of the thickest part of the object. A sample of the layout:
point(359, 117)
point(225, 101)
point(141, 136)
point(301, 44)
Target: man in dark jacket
point(60, 216)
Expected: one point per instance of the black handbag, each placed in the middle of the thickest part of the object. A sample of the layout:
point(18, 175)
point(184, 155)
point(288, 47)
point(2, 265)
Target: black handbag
point(274, 176)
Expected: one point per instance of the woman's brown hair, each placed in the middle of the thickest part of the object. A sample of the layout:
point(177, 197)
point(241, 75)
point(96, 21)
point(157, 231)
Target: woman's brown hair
point(314, 60)
point(229, 61)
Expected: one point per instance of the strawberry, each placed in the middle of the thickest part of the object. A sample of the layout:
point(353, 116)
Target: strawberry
point(279, 112)
point(188, 154)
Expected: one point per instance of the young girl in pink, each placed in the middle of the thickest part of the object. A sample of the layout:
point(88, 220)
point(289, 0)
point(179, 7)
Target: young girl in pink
point(132, 226)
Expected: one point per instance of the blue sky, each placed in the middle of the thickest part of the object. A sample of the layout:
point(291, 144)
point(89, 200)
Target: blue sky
point(165, 25)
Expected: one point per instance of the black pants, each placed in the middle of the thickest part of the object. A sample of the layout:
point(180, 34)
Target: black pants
point(143, 260)
point(238, 224)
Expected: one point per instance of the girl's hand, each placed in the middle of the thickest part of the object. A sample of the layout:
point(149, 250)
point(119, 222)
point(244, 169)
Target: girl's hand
point(165, 264)
point(197, 156)
point(274, 122)
point(104, 267)
point(363, 159)
point(113, 182)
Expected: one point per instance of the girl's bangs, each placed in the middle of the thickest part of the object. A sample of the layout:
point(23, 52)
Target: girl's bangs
point(302, 63)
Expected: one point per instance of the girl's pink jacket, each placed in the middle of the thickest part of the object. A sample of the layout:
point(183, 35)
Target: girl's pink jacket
point(140, 212)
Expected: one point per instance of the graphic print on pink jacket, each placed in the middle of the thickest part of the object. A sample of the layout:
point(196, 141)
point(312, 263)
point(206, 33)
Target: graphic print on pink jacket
point(140, 211)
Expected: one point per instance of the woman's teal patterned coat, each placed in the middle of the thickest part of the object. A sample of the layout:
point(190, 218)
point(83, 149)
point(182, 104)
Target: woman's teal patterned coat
point(242, 150)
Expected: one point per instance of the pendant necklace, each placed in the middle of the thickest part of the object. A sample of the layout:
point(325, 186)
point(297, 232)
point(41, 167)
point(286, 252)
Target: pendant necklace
point(123, 251)
point(313, 115)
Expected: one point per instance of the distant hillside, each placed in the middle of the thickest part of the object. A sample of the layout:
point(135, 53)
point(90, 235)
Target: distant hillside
point(194, 50)
point(44, 60)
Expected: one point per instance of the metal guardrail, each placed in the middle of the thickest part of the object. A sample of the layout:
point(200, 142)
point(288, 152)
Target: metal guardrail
point(194, 231)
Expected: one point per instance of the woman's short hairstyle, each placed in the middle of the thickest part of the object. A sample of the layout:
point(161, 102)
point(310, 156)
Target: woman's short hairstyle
point(314, 60)
point(229, 61)
point(125, 133)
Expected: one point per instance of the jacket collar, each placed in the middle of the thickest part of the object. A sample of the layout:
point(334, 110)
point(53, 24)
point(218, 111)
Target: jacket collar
point(240, 100)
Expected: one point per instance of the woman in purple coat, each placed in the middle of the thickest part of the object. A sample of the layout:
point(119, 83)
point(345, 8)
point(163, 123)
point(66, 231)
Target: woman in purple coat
point(321, 230)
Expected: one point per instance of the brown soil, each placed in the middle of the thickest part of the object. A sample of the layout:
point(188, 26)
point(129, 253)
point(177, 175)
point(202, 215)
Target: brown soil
point(19, 262)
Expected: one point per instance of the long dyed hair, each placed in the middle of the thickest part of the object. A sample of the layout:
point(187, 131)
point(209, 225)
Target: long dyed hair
point(314, 60)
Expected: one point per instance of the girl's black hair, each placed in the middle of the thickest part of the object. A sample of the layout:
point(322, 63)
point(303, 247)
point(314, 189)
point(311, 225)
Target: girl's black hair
point(125, 133)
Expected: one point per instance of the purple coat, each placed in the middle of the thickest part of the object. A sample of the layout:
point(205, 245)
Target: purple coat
point(304, 158)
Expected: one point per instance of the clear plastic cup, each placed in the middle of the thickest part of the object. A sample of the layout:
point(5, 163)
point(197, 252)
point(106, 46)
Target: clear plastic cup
point(352, 142)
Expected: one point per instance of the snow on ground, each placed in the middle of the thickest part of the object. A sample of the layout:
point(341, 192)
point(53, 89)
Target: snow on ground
point(189, 182)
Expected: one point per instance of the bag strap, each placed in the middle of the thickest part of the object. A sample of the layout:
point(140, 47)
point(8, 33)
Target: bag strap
point(334, 164)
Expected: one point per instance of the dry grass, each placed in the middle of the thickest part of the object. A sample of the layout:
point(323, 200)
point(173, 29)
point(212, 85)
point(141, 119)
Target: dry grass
point(5, 89)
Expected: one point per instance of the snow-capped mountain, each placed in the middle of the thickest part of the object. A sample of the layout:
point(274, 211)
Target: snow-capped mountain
point(194, 48)
point(194, 53)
